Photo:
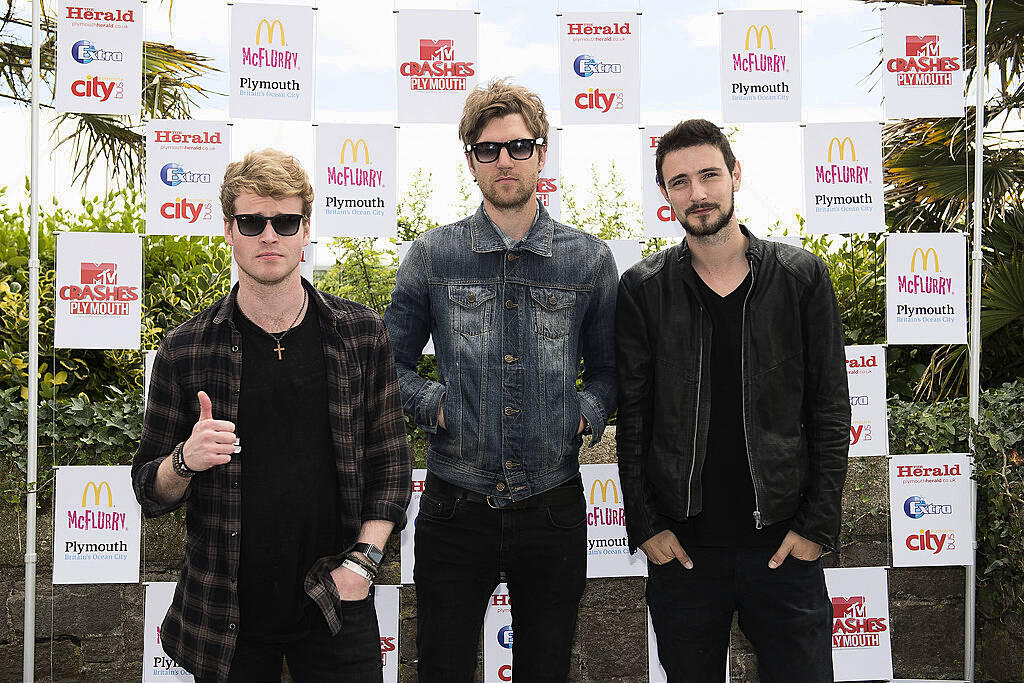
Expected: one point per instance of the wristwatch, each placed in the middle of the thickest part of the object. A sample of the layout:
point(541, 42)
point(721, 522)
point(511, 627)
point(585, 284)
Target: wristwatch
point(372, 552)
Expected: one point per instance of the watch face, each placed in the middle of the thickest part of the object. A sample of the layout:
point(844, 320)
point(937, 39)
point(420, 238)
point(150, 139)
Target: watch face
point(372, 552)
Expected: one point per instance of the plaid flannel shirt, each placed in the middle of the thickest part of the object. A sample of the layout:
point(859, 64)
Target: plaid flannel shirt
point(370, 447)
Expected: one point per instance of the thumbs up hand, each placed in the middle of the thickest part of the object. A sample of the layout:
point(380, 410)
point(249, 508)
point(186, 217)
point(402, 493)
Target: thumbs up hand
point(212, 441)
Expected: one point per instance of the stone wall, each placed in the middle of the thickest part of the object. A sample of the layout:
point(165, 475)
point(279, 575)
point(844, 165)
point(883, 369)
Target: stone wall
point(94, 632)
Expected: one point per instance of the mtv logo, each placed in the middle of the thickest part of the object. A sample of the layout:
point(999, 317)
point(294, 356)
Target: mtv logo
point(99, 273)
point(437, 50)
point(922, 46)
point(848, 607)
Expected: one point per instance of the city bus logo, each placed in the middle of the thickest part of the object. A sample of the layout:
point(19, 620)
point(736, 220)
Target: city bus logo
point(270, 30)
point(758, 32)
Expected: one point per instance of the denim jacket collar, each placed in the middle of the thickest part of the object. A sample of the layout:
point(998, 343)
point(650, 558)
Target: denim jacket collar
point(487, 236)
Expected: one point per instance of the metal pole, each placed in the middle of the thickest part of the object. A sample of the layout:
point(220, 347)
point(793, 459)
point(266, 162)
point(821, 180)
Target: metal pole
point(977, 259)
point(28, 663)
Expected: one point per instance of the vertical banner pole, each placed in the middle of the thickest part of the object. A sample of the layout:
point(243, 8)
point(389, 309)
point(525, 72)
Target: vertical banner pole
point(975, 317)
point(28, 662)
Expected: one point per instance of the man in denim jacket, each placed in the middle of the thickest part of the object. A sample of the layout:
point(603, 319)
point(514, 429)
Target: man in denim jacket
point(513, 300)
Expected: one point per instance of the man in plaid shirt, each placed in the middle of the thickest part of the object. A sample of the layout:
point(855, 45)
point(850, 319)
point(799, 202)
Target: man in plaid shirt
point(300, 386)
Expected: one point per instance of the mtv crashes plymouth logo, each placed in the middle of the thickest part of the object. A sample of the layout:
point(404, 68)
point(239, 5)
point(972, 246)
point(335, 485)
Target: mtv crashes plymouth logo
point(851, 625)
point(99, 293)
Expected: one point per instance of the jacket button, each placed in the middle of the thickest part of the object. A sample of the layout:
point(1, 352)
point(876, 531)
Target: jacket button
point(235, 349)
point(511, 304)
point(511, 411)
point(552, 300)
point(509, 464)
point(512, 257)
point(471, 298)
point(500, 486)
point(509, 358)
point(231, 627)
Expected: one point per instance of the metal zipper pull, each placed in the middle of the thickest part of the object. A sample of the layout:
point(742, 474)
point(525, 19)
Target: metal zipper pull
point(757, 520)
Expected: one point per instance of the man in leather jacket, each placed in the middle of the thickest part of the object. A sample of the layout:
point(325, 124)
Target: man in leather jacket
point(733, 427)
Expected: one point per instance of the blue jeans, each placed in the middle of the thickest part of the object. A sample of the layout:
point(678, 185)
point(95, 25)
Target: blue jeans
point(785, 613)
point(462, 545)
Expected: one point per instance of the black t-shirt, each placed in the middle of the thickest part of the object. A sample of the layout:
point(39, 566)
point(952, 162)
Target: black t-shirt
point(289, 480)
point(727, 517)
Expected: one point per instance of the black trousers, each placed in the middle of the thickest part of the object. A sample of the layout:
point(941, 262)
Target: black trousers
point(785, 613)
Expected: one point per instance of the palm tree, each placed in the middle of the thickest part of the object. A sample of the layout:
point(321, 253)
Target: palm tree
point(169, 90)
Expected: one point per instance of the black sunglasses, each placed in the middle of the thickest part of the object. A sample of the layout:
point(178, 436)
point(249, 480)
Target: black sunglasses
point(519, 149)
point(252, 224)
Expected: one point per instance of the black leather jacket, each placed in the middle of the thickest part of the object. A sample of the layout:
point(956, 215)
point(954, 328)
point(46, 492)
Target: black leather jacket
point(796, 404)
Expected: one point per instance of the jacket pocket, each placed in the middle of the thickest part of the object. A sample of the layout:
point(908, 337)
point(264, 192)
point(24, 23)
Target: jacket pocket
point(552, 311)
point(472, 308)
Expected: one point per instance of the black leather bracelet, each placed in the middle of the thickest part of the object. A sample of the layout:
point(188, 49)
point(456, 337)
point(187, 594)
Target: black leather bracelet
point(178, 462)
point(363, 562)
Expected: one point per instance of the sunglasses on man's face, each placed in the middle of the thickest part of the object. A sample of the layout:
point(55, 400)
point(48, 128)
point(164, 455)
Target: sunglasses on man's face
point(252, 224)
point(519, 149)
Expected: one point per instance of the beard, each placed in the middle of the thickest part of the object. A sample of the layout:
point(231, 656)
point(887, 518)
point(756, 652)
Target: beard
point(705, 226)
point(505, 201)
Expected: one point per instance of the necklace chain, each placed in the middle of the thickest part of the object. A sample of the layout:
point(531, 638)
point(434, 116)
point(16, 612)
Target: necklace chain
point(278, 337)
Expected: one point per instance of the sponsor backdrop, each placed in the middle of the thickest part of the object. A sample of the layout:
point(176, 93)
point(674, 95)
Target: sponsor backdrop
point(930, 510)
point(157, 665)
point(97, 525)
point(926, 288)
point(272, 51)
point(659, 219)
point(843, 177)
point(385, 600)
point(549, 184)
point(923, 60)
point(599, 72)
point(607, 547)
point(185, 162)
point(498, 637)
point(356, 180)
point(99, 57)
point(869, 426)
point(861, 641)
point(148, 358)
point(98, 291)
point(760, 67)
point(626, 253)
point(409, 532)
point(436, 64)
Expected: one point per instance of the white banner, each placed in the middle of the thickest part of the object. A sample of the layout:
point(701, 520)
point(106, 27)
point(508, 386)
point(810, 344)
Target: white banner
point(923, 60)
point(869, 426)
point(408, 550)
point(498, 637)
point(659, 219)
point(356, 180)
point(385, 599)
point(843, 178)
point(549, 184)
point(655, 671)
point(599, 76)
point(930, 510)
point(185, 162)
point(98, 291)
point(272, 62)
point(306, 262)
point(627, 253)
point(926, 288)
point(99, 57)
point(97, 525)
point(148, 358)
point(760, 67)
point(791, 240)
point(437, 64)
point(157, 665)
point(861, 640)
point(607, 547)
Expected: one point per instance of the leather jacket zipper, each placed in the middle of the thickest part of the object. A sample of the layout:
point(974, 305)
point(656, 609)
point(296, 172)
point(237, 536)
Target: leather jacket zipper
point(696, 418)
point(743, 389)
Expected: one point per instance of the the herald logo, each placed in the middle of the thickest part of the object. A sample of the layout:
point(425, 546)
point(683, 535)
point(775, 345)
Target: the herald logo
point(862, 362)
point(928, 540)
point(848, 607)
point(99, 273)
point(94, 86)
point(182, 208)
point(500, 600)
point(923, 46)
point(418, 486)
point(437, 50)
point(594, 98)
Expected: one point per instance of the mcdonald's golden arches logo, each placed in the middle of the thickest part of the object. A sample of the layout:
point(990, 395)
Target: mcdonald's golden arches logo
point(97, 489)
point(270, 30)
point(842, 148)
point(924, 259)
point(355, 145)
point(758, 33)
point(605, 485)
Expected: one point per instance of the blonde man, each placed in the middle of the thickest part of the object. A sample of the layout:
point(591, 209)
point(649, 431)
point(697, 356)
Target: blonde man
point(298, 386)
point(514, 301)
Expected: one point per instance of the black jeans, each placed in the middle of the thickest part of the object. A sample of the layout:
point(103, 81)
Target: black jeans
point(352, 656)
point(461, 546)
point(785, 613)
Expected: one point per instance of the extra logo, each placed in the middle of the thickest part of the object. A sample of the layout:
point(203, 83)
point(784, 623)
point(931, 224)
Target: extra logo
point(172, 175)
point(923, 65)
point(505, 637)
point(437, 68)
point(840, 165)
point(922, 283)
point(85, 52)
point(99, 293)
point(851, 625)
point(586, 66)
point(98, 87)
point(269, 57)
point(932, 541)
point(917, 507)
point(89, 518)
point(601, 100)
point(184, 209)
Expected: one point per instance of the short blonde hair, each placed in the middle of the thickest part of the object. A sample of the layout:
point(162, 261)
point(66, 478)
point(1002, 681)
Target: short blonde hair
point(497, 99)
point(267, 173)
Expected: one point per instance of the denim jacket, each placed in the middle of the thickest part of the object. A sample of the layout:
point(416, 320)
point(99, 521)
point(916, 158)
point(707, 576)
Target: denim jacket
point(510, 322)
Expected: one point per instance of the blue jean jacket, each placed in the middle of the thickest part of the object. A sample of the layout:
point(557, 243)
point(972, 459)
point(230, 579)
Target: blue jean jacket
point(510, 322)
